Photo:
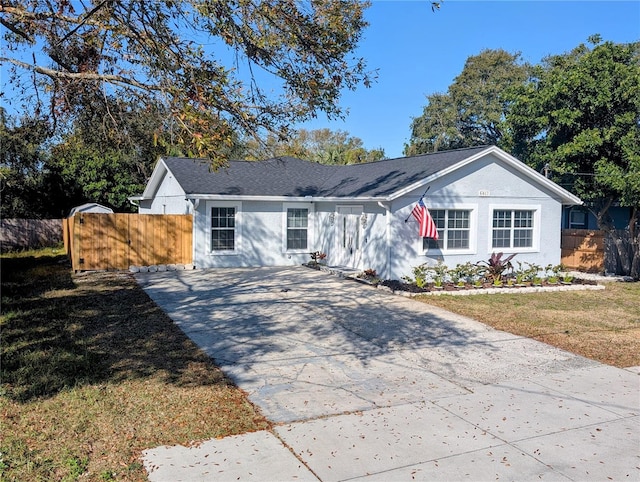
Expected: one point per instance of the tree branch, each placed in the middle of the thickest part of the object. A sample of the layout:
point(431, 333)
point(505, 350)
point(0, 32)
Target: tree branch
point(17, 31)
point(57, 74)
point(25, 14)
point(84, 20)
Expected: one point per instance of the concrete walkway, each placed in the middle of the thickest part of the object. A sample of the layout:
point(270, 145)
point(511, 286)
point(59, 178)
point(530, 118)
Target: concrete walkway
point(363, 384)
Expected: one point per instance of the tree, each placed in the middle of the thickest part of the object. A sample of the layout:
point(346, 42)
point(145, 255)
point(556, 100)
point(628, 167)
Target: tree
point(321, 145)
point(104, 160)
point(27, 188)
point(473, 110)
point(62, 54)
point(580, 115)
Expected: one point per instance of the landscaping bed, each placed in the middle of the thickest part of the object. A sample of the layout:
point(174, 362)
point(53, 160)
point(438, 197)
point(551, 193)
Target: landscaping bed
point(450, 288)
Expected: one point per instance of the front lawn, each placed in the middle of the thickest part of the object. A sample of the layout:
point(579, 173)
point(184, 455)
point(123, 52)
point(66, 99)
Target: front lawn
point(603, 325)
point(93, 372)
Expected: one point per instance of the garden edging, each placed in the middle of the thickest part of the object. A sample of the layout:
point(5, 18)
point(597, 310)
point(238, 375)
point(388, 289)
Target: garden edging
point(353, 275)
point(495, 291)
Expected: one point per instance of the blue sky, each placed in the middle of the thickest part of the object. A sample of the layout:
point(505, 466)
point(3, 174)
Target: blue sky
point(419, 52)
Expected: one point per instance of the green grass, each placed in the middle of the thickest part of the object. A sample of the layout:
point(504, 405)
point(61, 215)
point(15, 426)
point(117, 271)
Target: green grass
point(93, 373)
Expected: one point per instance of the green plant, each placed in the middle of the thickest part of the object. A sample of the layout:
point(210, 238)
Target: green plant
point(77, 466)
point(424, 273)
point(564, 274)
point(521, 273)
point(553, 272)
point(107, 475)
point(532, 272)
point(439, 273)
point(462, 273)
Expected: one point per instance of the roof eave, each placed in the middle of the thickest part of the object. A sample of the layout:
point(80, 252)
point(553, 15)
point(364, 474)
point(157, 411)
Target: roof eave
point(224, 197)
point(154, 181)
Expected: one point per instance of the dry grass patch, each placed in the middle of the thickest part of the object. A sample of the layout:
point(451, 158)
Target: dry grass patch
point(93, 372)
point(602, 325)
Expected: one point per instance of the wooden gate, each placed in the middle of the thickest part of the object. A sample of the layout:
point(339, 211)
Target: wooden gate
point(117, 241)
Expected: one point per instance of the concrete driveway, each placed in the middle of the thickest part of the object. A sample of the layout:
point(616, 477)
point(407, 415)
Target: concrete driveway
point(365, 384)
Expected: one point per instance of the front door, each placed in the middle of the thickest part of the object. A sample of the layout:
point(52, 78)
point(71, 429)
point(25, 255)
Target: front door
point(349, 242)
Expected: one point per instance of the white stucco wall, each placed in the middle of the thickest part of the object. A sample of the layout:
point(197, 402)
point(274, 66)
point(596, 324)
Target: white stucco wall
point(260, 237)
point(168, 199)
point(490, 185)
point(387, 244)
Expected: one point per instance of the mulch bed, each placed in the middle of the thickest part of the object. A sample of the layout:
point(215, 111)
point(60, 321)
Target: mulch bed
point(396, 285)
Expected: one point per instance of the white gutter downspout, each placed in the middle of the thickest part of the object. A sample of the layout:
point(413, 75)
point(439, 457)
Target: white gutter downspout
point(387, 209)
point(195, 203)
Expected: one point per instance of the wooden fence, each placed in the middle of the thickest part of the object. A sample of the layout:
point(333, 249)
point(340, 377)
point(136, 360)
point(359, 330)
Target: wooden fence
point(29, 233)
point(118, 241)
point(583, 249)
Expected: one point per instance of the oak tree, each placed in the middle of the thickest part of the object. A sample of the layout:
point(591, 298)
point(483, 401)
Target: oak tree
point(208, 64)
point(473, 110)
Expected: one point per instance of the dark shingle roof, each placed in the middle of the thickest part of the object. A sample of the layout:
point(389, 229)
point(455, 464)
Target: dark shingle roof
point(287, 176)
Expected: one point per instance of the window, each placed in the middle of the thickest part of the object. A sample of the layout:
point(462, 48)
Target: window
point(297, 228)
point(578, 219)
point(454, 227)
point(223, 228)
point(512, 228)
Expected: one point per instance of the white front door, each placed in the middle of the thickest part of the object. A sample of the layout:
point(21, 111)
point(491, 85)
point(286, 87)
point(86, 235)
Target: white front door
point(349, 241)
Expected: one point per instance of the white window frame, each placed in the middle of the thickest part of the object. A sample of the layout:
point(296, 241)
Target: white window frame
point(237, 237)
point(310, 230)
point(473, 228)
point(537, 210)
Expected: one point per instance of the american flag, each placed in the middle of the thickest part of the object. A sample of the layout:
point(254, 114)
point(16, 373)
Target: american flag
point(428, 228)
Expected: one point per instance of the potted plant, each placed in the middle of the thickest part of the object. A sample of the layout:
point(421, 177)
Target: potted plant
point(370, 276)
point(316, 258)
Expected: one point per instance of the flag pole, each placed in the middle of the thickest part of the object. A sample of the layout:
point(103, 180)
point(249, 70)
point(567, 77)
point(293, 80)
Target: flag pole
point(423, 195)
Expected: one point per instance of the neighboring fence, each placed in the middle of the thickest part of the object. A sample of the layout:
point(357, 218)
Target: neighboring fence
point(618, 248)
point(118, 241)
point(583, 249)
point(29, 233)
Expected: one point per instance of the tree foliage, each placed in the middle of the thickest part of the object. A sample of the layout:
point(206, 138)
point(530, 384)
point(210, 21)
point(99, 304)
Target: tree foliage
point(580, 114)
point(197, 60)
point(27, 187)
point(473, 110)
point(321, 145)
